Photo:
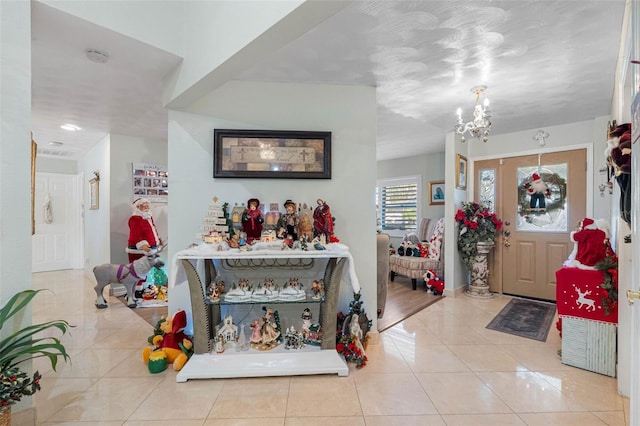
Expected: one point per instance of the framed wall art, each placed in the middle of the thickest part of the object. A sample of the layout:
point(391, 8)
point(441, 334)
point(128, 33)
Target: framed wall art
point(150, 181)
point(436, 192)
point(94, 192)
point(461, 172)
point(279, 154)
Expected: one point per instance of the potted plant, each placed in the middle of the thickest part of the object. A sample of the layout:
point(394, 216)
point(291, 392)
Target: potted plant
point(478, 230)
point(17, 346)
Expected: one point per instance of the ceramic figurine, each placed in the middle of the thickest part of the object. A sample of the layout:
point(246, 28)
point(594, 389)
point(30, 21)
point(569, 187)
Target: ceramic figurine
point(269, 332)
point(289, 222)
point(252, 221)
point(323, 221)
point(219, 344)
point(317, 289)
point(256, 333)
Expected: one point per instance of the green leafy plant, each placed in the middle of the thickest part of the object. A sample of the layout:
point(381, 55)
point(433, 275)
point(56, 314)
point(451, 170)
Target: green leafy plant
point(24, 344)
point(609, 268)
point(476, 224)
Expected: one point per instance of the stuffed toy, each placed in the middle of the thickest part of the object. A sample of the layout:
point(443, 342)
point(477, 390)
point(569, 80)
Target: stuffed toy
point(173, 342)
point(591, 244)
point(538, 191)
point(434, 283)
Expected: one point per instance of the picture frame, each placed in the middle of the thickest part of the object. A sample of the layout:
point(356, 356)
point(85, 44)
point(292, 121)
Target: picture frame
point(461, 172)
point(436, 193)
point(272, 154)
point(94, 193)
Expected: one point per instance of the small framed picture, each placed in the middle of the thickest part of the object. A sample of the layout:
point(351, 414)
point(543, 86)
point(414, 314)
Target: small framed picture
point(436, 192)
point(94, 194)
point(461, 172)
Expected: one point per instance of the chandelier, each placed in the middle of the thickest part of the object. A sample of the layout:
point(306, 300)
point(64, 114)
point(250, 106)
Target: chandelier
point(480, 127)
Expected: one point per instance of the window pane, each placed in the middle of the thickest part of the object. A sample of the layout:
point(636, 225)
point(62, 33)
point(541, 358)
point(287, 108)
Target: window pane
point(398, 209)
point(542, 198)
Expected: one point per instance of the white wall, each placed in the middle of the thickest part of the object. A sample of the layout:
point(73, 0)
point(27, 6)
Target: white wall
point(97, 222)
point(429, 166)
point(15, 158)
point(56, 165)
point(349, 112)
point(213, 27)
point(124, 151)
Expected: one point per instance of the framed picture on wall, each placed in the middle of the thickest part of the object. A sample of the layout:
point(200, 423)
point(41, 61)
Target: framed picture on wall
point(461, 172)
point(279, 154)
point(436, 192)
point(94, 193)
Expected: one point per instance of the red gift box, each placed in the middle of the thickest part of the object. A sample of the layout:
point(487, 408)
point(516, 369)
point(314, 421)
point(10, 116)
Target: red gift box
point(579, 294)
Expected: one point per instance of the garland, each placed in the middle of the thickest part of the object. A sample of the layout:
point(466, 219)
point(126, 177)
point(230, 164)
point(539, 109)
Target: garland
point(609, 268)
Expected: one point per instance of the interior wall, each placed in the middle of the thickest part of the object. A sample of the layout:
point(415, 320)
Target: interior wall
point(124, 151)
point(56, 165)
point(15, 159)
point(349, 112)
point(429, 166)
point(97, 222)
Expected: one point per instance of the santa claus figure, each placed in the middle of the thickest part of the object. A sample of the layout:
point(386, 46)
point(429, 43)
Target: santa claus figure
point(143, 234)
point(538, 191)
point(591, 244)
point(618, 154)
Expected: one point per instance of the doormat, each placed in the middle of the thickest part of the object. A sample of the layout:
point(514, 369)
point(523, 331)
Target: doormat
point(525, 318)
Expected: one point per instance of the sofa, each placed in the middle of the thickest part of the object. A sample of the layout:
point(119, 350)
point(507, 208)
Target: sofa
point(382, 246)
point(432, 231)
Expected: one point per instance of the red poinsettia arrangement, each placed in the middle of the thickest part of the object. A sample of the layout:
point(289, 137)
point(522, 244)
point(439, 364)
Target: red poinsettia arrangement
point(477, 224)
point(347, 345)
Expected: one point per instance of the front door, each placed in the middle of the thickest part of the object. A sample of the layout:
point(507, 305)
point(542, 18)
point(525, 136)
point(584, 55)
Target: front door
point(541, 199)
point(55, 246)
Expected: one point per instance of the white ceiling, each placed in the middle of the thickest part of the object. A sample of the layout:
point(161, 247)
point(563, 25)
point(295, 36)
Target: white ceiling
point(545, 63)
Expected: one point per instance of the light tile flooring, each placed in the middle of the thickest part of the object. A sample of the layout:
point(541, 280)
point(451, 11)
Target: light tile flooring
point(439, 367)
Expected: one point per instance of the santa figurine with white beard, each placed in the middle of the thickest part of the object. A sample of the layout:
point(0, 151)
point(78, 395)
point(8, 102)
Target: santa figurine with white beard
point(591, 244)
point(143, 234)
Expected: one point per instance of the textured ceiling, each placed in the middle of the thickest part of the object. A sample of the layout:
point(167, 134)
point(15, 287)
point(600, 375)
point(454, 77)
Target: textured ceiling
point(544, 62)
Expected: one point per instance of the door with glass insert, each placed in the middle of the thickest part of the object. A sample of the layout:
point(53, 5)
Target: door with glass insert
point(541, 198)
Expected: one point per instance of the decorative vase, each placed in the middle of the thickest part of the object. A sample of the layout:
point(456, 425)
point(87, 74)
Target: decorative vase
point(479, 286)
point(5, 416)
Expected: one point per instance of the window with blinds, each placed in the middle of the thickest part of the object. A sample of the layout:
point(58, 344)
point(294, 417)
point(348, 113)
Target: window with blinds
point(398, 205)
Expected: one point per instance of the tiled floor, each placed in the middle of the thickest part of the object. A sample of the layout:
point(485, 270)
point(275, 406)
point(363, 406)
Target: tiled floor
point(439, 367)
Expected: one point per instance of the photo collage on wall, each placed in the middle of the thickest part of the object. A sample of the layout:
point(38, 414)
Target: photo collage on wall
point(150, 181)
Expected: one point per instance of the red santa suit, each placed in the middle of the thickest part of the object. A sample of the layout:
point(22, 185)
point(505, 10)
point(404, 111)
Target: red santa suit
point(142, 232)
point(591, 244)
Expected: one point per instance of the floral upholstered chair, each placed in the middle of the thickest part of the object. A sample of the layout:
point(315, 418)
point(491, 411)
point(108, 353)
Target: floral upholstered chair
point(431, 230)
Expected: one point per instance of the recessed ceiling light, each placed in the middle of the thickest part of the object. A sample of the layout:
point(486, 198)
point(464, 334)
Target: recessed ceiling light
point(56, 143)
point(97, 56)
point(70, 127)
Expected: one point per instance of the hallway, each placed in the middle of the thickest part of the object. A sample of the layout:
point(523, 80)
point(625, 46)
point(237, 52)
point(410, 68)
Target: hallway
point(438, 367)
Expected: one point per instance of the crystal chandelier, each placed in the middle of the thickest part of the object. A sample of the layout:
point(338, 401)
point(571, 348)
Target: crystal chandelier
point(480, 127)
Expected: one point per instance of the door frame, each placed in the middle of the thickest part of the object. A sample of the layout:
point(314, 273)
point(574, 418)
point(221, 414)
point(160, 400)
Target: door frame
point(471, 184)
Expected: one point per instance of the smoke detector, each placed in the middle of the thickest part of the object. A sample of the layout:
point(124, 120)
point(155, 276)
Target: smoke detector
point(97, 56)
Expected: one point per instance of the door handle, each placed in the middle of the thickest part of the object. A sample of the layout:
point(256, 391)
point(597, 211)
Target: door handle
point(631, 295)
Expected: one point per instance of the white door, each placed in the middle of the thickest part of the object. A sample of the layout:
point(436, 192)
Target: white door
point(55, 245)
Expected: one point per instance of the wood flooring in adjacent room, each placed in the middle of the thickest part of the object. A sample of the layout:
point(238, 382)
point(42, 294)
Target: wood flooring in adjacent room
point(403, 301)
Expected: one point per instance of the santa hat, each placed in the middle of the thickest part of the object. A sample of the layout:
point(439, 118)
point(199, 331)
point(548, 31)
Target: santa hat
point(139, 201)
point(588, 223)
point(535, 176)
